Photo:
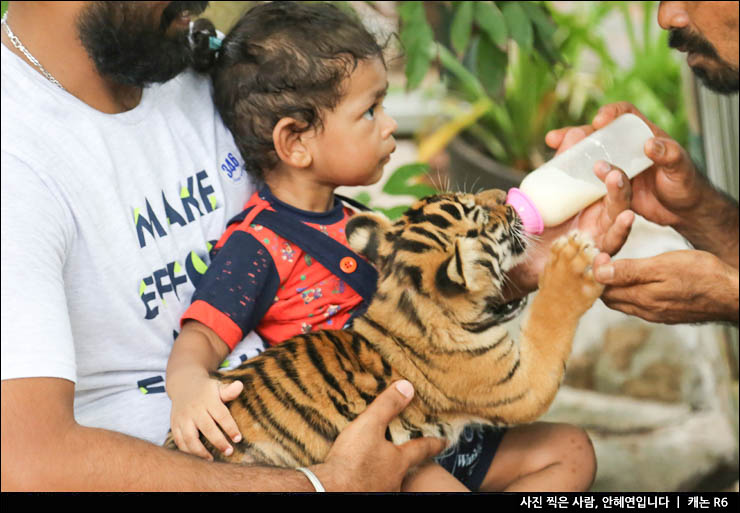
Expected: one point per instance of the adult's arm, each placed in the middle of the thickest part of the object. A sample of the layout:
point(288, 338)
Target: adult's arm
point(677, 287)
point(43, 448)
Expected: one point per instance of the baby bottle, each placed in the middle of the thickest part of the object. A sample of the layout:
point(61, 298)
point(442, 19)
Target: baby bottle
point(563, 186)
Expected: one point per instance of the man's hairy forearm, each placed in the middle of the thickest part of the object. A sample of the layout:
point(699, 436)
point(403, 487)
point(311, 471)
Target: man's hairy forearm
point(88, 459)
point(714, 226)
point(43, 448)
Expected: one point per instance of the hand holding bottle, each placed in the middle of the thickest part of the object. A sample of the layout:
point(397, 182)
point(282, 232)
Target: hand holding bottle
point(608, 221)
point(560, 188)
point(680, 286)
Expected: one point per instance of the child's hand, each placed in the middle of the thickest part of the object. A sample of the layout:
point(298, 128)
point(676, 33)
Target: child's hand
point(199, 407)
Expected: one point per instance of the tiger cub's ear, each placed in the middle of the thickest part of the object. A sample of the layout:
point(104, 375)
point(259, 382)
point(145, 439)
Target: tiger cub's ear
point(491, 197)
point(365, 232)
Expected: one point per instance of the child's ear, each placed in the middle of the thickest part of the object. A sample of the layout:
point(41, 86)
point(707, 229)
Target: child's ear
point(289, 146)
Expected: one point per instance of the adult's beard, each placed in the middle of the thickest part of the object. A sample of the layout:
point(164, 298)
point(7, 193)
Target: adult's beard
point(722, 79)
point(130, 48)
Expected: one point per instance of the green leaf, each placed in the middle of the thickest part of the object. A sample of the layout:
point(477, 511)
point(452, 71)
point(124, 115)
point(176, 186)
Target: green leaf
point(490, 141)
point(634, 44)
point(491, 66)
point(538, 14)
point(411, 12)
point(492, 22)
point(401, 183)
point(346, 7)
point(417, 65)
point(519, 25)
point(416, 37)
point(547, 49)
point(393, 213)
point(462, 26)
point(544, 29)
point(648, 22)
point(364, 198)
point(469, 83)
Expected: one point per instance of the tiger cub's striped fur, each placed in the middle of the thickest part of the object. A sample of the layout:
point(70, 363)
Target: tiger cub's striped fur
point(436, 321)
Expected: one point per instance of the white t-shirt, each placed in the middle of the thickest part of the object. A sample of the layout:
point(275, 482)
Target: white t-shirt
point(106, 225)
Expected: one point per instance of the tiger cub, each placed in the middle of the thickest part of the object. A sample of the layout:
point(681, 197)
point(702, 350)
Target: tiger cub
point(435, 320)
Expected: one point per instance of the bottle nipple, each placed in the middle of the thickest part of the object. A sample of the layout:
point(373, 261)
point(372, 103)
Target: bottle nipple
point(530, 216)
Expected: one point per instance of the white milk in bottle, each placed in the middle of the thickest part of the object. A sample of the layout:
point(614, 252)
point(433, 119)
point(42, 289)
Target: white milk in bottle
point(562, 187)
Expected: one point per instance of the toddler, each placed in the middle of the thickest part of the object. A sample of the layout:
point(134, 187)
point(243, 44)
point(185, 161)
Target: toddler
point(301, 87)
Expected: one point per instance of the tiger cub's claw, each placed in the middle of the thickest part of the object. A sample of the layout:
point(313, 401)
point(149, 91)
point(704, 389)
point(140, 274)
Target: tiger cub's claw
point(568, 271)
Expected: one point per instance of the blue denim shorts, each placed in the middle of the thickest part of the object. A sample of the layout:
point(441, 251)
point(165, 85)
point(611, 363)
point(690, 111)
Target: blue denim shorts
point(470, 459)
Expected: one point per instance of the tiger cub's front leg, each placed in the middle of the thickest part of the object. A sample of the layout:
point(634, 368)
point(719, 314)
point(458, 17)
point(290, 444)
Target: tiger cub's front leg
point(567, 286)
point(566, 290)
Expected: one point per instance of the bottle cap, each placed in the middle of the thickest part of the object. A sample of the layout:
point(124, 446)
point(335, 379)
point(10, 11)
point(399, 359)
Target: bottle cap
point(528, 213)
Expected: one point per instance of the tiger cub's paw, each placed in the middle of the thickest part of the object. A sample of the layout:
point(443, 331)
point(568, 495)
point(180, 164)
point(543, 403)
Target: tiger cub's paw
point(568, 271)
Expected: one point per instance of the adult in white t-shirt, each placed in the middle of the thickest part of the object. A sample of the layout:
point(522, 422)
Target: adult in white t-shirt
point(112, 194)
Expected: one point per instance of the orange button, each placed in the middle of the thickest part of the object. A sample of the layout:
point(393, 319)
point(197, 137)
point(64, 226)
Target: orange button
point(348, 264)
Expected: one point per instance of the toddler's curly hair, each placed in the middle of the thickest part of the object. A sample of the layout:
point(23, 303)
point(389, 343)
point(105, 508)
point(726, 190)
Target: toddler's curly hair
point(283, 59)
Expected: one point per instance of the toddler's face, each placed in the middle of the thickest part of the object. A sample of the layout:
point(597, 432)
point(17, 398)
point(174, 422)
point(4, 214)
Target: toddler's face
point(357, 137)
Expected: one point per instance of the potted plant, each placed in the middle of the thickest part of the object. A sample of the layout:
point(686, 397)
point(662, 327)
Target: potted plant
point(482, 46)
point(512, 72)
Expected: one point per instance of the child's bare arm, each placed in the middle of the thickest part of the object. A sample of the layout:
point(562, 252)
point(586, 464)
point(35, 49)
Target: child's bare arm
point(197, 399)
